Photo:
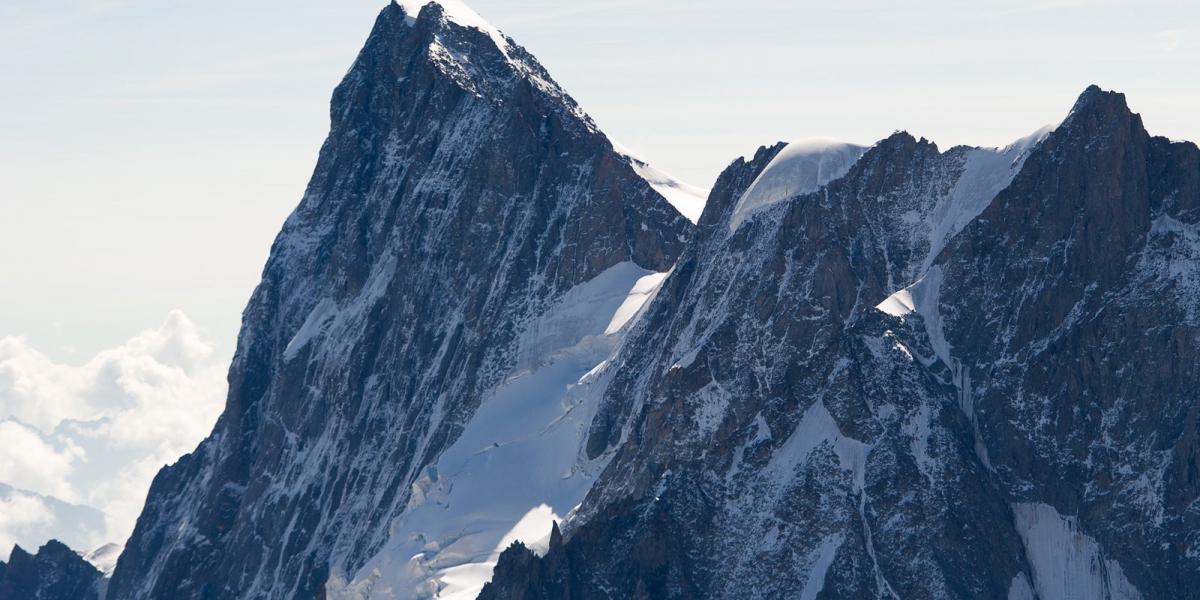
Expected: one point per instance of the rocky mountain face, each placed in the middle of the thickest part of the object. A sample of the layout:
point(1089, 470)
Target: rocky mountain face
point(54, 573)
point(459, 195)
point(943, 375)
point(487, 346)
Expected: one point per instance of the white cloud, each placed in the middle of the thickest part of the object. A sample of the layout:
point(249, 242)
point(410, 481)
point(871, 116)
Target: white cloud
point(28, 461)
point(18, 514)
point(29, 519)
point(97, 434)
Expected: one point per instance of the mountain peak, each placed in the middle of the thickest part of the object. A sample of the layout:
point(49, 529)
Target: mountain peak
point(453, 11)
point(1096, 103)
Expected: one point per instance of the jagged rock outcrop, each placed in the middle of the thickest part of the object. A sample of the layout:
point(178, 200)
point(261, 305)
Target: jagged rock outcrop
point(943, 375)
point(54, 573)
point(460, 194)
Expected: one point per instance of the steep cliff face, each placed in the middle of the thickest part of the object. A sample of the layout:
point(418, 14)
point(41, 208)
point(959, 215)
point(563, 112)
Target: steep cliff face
point(1070, 316)
point(967, 374)
point(460, 196)
point(54, 573)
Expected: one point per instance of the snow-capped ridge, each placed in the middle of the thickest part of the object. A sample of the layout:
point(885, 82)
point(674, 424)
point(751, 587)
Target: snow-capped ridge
point(799, 168)
point(457, 12)
point(104, 557)
point(688, 199)
point(986, 172)
point(481, 77)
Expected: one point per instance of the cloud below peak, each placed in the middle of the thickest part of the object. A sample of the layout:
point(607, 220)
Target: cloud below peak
point(96, 434)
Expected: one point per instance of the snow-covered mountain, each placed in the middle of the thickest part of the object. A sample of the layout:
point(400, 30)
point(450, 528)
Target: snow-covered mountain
point(55, 572)
point(495, 355)
point(469, 247)
point(960, 374)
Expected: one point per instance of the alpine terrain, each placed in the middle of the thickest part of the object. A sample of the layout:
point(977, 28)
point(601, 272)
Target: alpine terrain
point(493, 355)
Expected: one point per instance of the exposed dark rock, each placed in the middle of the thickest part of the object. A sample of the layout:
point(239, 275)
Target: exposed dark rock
point(54, 573)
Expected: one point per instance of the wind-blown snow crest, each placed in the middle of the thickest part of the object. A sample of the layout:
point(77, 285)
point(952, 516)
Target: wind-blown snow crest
point(799, 168)
point(688, 199)
point(518, 465)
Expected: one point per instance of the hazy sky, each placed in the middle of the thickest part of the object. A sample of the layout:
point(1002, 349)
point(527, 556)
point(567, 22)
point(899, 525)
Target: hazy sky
point(149, 150)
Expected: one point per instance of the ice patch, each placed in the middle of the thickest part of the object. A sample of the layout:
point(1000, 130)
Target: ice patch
point(713, 403)
point(1020, 589)
point(824, 555)
point(923, 298)
point(1066, 562)
point(800, 168)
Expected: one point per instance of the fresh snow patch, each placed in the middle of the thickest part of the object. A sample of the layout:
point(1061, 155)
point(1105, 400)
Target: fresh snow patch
point(518, 464)
point(898, 304)
point(800, 168)
point(919, 429)
point(922, 298)
point(1066, 562)
point(713, 403)
point(688, 199)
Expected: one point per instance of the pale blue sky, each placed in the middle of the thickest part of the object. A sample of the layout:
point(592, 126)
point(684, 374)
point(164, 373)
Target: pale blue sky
point(149, 150)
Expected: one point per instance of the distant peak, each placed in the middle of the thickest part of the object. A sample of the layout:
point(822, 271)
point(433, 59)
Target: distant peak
point(1096, 99)
point(899, 137)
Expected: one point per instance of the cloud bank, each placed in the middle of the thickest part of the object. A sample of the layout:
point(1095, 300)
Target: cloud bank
point(95, 435)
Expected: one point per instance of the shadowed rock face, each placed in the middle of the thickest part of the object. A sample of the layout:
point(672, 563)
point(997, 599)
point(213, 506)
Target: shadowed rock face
point(54, 572)
point(1029, 428)
point(459, 193)
point(1073, 308)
